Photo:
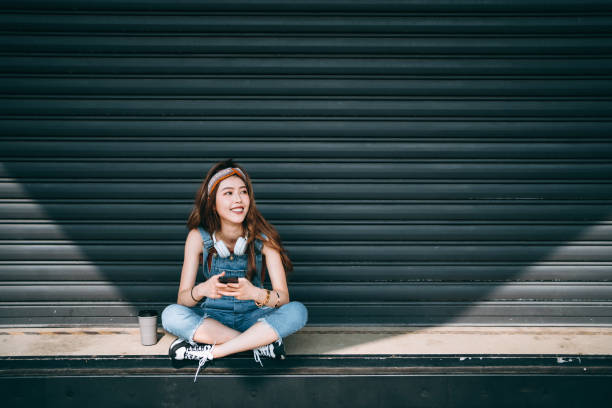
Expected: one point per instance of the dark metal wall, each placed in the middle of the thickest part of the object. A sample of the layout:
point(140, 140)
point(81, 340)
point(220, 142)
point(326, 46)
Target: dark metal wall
point(426, 162)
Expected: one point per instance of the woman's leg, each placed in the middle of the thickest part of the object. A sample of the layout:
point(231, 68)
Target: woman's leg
point(213, 332)
point(182, 321)
point(195, 325)
point(287, 319)
point(265, 326)
point(255, 336)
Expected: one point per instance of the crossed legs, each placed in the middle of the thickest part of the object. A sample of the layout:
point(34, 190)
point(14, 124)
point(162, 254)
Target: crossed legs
point(190, 323)
point(229, 341)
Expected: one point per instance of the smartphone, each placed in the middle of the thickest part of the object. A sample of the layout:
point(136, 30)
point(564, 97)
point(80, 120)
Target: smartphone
point(228, 279)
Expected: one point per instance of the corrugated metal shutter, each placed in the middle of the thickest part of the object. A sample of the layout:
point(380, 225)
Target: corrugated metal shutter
point(426, 162)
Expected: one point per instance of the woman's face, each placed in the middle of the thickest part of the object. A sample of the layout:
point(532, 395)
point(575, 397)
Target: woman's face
point(232, 201)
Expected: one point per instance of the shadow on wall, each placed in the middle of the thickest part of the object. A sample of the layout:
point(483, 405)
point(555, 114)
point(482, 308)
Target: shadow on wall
point(96, 250)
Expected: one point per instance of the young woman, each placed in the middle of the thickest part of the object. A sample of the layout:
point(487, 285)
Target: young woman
point(230, 311)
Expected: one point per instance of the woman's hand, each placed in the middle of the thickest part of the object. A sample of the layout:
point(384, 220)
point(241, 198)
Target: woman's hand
point(243, 290)
point(212, 288)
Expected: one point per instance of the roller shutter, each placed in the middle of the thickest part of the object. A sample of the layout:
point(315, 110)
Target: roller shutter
point(426, 162)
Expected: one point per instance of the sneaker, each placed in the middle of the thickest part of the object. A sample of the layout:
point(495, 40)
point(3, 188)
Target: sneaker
point(275, 350)
point(183, 350)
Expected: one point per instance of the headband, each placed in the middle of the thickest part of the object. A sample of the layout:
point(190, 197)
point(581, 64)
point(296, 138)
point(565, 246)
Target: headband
point(222, 175)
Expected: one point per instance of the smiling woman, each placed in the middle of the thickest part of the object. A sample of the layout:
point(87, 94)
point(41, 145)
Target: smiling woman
point(235, 241)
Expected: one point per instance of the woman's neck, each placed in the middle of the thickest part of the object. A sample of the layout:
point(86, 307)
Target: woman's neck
point(230, 232)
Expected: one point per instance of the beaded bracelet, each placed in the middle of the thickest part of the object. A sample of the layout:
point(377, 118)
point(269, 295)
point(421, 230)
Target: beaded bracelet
point(265, 301)
point(277, 298)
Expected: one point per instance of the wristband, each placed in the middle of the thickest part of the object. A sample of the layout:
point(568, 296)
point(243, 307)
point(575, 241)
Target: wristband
point(191, 292)
point(265, 301)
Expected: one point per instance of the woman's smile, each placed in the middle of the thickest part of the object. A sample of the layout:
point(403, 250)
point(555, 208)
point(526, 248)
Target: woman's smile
point(238, 210)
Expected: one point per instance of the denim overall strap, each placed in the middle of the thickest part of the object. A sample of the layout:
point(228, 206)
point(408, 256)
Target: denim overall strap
point(208, 241)
point(259, 243)
point(208, 245)
point(258, 247)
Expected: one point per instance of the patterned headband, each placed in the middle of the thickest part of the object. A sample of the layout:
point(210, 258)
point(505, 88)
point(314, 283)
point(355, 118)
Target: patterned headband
point(222, 175)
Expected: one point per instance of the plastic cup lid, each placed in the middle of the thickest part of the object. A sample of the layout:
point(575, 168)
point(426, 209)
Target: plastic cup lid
point(147, 313)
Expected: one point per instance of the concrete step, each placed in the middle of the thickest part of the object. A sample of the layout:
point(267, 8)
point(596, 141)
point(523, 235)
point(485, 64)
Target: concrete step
point(325, 340)
point(356, 366)
point(309, 381)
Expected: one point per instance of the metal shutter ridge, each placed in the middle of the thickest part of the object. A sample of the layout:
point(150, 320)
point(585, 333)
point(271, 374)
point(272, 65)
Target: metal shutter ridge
point(426, 162)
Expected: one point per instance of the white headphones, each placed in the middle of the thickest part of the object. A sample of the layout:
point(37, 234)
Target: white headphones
point(239, 248)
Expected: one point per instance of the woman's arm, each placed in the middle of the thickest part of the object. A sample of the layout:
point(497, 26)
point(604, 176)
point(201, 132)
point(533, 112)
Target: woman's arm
point(280, 292)
point(193, 249)
point(188, 294)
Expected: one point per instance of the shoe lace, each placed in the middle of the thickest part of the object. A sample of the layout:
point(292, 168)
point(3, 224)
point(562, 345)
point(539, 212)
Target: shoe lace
point(207, 349)
point(266, 351)
point(195, 351)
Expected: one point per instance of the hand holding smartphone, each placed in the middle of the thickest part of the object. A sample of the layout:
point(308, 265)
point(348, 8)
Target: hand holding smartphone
point(228, 279)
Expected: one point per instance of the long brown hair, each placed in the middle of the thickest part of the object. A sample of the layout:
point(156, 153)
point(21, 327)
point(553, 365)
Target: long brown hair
point(205, 214)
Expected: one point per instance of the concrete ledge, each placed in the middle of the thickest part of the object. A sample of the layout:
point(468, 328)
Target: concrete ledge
point(313, 340)
point(306, 381)
point(242, 364)
point(326, 366)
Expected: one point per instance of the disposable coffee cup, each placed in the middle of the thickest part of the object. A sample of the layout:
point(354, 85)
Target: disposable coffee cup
point(147, 320)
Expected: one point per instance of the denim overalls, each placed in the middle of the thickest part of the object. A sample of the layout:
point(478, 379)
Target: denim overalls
point(183, 321)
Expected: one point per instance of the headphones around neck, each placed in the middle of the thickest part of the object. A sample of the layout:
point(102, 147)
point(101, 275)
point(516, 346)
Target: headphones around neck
point(239, 247)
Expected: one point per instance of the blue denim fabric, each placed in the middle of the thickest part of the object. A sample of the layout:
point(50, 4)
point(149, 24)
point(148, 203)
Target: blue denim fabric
point(183, 321)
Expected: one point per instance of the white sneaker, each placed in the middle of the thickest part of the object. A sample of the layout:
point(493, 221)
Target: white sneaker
point(183, 350)
point(274, 350)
